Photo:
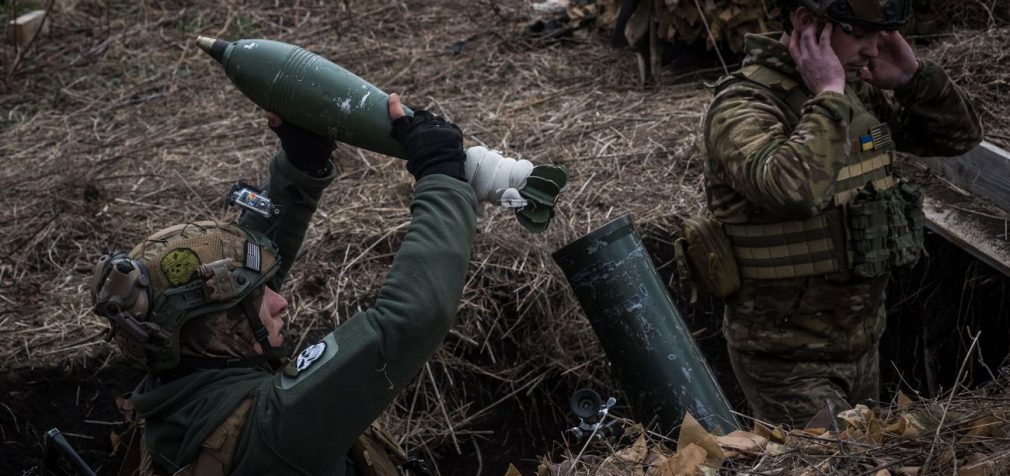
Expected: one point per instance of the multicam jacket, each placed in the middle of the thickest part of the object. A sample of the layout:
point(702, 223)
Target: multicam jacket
point(767, 164)
point(774, 155)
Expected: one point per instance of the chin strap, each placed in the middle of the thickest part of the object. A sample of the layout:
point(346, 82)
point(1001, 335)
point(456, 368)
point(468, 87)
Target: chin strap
point(531, 191)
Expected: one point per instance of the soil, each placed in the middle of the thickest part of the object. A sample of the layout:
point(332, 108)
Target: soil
point(80, 401)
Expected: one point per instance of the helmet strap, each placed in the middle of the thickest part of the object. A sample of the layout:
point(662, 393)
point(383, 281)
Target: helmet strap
point(271, 354)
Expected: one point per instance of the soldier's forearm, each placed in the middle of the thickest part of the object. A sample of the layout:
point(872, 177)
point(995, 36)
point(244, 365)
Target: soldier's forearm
point(935, 117)
point(297, 194)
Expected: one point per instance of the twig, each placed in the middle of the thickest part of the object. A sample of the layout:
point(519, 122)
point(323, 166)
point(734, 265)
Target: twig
point(957, 382)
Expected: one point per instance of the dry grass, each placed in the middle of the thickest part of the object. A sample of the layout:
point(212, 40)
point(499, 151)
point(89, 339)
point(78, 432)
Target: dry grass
point(961, 432)
point(116, 125)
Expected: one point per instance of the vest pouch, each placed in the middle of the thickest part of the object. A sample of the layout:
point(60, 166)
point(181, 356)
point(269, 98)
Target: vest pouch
point(867, 218)
point(375, 454)
point(908, 230)
point(705, 259)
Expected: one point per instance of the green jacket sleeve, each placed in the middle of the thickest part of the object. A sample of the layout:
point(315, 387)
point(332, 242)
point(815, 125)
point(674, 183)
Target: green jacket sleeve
point(785, 165)
point(297, 193)
point(305, 424)
point(930, 116)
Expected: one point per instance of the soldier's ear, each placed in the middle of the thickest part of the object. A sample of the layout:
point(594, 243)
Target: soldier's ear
point(802, 16)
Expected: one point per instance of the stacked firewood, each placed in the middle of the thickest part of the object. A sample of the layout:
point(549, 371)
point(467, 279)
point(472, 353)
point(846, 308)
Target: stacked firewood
point(722, 22)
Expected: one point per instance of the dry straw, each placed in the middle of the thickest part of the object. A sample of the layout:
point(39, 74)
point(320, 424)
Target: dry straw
point(115, 125)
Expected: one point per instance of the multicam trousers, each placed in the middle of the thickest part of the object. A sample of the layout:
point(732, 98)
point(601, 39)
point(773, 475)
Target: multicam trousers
point(796, 344)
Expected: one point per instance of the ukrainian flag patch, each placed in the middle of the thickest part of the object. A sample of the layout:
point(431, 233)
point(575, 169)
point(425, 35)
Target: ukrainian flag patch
point(866, 142)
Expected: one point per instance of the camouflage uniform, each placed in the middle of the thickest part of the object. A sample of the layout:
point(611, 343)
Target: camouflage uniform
point(774, 156)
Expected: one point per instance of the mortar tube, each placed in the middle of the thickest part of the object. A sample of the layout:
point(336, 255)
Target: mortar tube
point(660, 367)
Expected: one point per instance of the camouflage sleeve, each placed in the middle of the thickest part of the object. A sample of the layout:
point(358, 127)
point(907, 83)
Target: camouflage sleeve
point(787, 171)
point(930, 116)
point(297, 193)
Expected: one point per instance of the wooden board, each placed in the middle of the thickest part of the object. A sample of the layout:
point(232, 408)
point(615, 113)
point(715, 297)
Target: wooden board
point(968, 233)
point(984, 171)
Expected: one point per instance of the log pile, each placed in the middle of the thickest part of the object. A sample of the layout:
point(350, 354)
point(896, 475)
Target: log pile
point(716, 22)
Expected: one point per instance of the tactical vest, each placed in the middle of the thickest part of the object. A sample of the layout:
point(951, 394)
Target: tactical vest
point(374, 454)
point(875, 221)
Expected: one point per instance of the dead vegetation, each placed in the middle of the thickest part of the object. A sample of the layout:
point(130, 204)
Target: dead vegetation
point(115, 125)
point(964, 432)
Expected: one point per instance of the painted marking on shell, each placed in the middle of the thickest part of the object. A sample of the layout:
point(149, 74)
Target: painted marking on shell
point(363, 99)
point(345, 106)
point(250, 46)
point(687, 373)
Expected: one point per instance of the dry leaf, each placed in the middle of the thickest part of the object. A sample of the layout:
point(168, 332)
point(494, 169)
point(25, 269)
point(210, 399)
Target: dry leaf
point(903, 402)
point(777, 434)
point(882, 472)
point(910, 471)
point(686, 462)
point(635, 453)
point(743, 441)
point(691, 432)
point(656, 464)
point(865, 421)
point(983, 426)
point(513, 471)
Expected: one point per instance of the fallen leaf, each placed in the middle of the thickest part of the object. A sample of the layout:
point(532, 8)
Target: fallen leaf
point(983, 426)
point(691, 432)
point(635, 453)
point(910, 471)
point(656, 464)
point(513, 471)
point(686, 462)
point(743, 441)
point(776, 434)
point(903, 402)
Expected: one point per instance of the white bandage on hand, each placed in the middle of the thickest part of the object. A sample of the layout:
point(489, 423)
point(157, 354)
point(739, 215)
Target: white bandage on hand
point(492, 174)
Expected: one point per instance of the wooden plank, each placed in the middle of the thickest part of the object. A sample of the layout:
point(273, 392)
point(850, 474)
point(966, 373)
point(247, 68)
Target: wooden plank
point(983, 171)
point(25, 27)
point(959, 228)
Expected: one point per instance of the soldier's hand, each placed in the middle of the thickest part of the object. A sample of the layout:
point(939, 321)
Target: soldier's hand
point(305, 150)
point(895, 63)
point(816, 62)
point(433, 145)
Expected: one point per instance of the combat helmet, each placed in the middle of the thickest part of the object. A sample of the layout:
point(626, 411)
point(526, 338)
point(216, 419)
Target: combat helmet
point(872, 14)
point(179, 274)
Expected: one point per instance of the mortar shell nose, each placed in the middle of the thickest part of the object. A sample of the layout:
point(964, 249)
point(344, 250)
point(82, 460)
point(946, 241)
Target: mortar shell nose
point(212, 46)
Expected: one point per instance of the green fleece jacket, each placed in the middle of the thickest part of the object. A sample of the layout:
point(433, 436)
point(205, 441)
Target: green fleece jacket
point(305, 423)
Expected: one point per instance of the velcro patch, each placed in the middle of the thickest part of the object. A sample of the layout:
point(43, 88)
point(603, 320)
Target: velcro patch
point(253, 259)
point(180, 265)
point(309, 355)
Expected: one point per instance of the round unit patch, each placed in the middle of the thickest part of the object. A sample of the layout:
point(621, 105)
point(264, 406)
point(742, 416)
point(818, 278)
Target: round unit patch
point(309, 355)
point(180, 265)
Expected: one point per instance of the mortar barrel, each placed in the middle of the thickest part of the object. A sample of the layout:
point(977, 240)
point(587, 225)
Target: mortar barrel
point(655, 357)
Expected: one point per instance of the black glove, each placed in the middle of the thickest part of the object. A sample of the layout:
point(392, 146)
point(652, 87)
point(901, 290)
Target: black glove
point(433, 145)
point(307, 151)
